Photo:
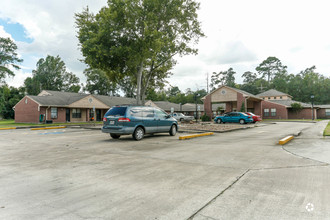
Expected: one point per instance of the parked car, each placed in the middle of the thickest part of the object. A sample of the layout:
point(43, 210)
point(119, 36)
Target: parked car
point(138, 121)
point(181, 117)
point(254, 117)
point(238, 117)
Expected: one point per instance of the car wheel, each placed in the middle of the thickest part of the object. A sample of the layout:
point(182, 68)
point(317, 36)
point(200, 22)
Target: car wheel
point(254, 122)
point(138, 133)
point(173, 130)
point(115, 136)
point(219, 121)
point(241, 121)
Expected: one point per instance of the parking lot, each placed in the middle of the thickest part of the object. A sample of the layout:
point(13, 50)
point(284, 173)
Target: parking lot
point(76, 173)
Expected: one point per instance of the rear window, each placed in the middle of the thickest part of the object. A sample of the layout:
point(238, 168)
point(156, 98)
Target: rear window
point(244, 114)
point(116, 111)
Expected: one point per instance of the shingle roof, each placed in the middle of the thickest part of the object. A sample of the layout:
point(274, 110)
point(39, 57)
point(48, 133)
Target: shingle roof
point(272, 92)
point(323, 106)
point(57, 98)
point(191, 107)
point(165, 105)
point(288, 103)
point(114, 100)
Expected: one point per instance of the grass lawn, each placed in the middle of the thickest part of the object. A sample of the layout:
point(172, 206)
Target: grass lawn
point(327, 130)
point(6, 123)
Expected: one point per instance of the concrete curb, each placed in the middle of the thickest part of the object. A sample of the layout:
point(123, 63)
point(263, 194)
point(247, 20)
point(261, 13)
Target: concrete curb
point(10, 128)
point(236, 129)
point(195, 135)
point(285, 140)
point(45, 128)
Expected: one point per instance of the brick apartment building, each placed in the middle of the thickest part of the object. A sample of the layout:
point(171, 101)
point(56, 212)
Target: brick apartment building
point(271, 104)
point(61, 107)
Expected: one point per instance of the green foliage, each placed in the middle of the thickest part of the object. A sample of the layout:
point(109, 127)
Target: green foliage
point(138, 39)
point(226, 78)
point(99, 83)
point(51, 74)
point(205, 117)
point(8, 57)
point(270, 67)
point(242, 107)
point(296, 107)
point(9, 97)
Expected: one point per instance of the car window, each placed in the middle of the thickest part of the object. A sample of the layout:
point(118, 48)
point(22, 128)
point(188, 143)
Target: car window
point(136, 112)
point(160, 114)
point(116, 111)
point(244, 114)
point(148, 113)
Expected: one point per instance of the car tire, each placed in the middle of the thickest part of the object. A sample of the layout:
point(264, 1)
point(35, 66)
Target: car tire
point(115, 136)
point(219, 121)
point(138, 134)
point(242, 121)
point(173, 130)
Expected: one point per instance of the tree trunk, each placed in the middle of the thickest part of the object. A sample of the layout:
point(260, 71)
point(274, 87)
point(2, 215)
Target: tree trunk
point(139, 83)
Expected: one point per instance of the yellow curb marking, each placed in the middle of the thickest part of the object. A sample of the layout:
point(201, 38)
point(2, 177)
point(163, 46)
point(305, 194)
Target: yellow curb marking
point(285, 140)
point(195, 135)
point(7, 128)
point(48, 128)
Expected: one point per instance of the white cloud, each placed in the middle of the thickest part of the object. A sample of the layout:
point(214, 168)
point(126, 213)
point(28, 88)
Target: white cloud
point(240, 34)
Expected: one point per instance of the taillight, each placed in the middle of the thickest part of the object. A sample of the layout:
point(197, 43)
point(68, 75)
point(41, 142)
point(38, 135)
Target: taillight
point(124, 120)
point(104, 119)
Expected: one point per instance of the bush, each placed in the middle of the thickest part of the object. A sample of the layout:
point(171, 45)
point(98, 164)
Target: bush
point(205, 117)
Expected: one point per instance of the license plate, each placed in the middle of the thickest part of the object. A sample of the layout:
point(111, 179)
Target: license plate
point(112, 122)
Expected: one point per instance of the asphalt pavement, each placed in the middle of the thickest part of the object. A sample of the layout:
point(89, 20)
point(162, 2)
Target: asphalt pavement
point(77, 173)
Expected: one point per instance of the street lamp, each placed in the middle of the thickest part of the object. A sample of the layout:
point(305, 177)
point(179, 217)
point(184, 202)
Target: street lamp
point(312, 97)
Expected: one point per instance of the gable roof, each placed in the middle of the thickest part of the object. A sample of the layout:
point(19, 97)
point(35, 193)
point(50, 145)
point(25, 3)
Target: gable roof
point(236, 90)
point(114, 100)
point(273, 92)
point(165, 105)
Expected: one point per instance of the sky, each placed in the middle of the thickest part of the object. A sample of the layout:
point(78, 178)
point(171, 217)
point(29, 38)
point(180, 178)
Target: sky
point(240, 34)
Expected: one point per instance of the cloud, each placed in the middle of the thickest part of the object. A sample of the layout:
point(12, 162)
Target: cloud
point(4, 34)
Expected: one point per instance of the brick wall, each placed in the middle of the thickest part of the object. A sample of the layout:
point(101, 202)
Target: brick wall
point(208, 106)
point(229, 107)
point(281, 111)
point(61, 114)
point(240, 101)
point(257, 108)
point(321, 113)
point(305, 113)
point(26, 111)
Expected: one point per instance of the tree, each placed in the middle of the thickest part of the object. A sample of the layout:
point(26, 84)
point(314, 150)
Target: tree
point(226, 78)
point(138, 39)
point(270, 67)
point(99, 83)
point(296, 107)
point(8, 57)
point(9, 97)
point(51, 74)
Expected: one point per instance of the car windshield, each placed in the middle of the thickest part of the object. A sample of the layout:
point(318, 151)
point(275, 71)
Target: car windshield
point(116, 111)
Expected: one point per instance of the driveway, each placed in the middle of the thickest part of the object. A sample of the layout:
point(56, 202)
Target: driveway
point(84, 174)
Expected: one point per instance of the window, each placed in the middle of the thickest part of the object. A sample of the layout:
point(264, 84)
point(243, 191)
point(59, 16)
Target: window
point(266, 112)
point(327, 112)
point(116, 111)
point(76, 113)
point(53, 112)
point(160, 113)
point(275, 97)
point(273, 112)
point(136, 112)
point(280, 97)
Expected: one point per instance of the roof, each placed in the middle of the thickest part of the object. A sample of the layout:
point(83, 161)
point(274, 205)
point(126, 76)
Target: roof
point(288, 103)
point(237, 90)
point(323, 106)
point(58, 98)
point(165, 105)
point(191, 107)
point(272, 92)
point(114, 100)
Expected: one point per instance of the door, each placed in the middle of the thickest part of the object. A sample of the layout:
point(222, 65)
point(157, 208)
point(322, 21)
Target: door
point(149, 120)
point(98, 115)
point(67, 115)
point(163, 121)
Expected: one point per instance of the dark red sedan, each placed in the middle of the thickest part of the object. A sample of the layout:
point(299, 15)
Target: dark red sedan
point(254, 117)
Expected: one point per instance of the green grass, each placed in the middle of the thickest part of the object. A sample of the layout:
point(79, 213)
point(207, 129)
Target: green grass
point(7, 123)
point(327, 130)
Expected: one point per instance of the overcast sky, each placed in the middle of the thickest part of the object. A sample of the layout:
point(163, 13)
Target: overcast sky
point(240, 34)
